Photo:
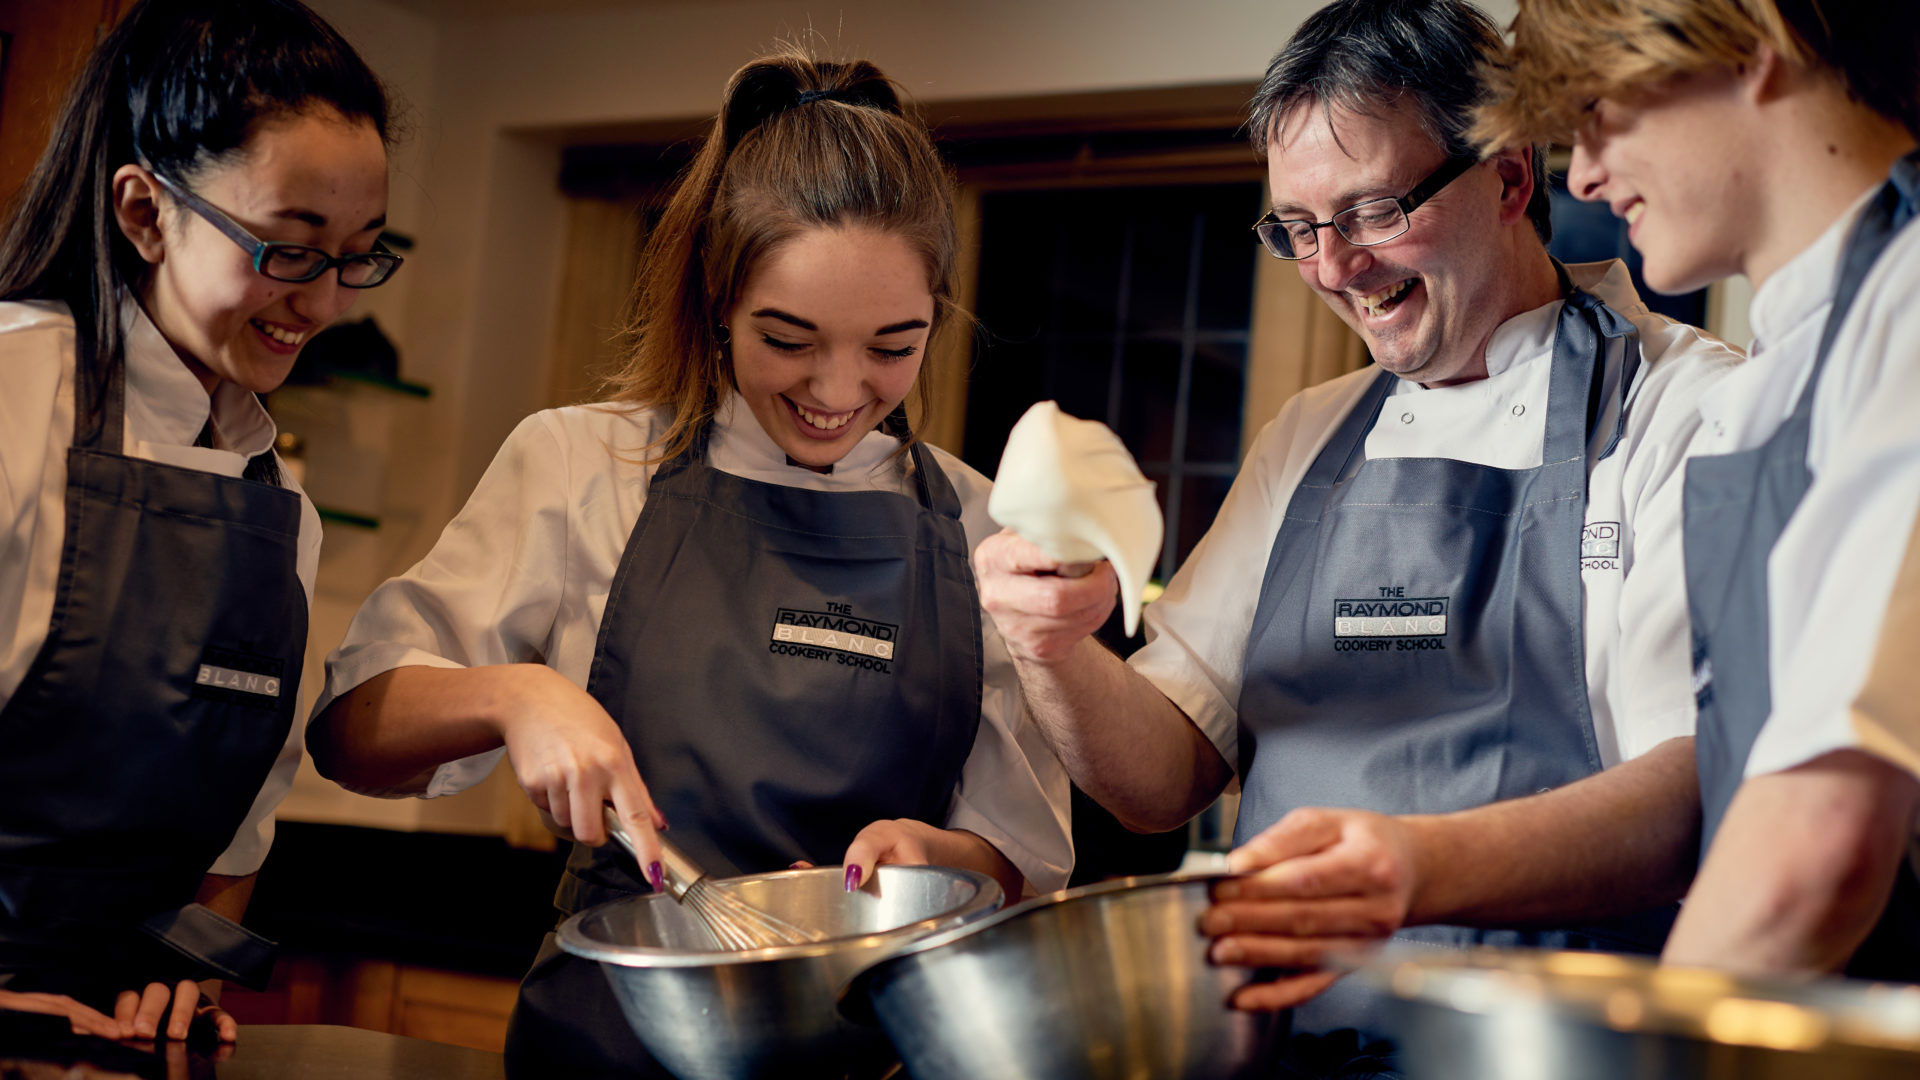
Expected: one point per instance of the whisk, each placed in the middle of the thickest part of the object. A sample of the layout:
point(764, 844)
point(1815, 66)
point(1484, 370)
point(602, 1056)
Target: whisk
point(734, 923)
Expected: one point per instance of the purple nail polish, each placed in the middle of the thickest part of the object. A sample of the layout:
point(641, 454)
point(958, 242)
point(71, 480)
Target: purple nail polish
point(657, 876)
point(853, 879)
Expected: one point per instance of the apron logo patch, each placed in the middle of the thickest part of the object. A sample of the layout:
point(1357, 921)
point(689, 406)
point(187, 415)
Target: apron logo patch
point(835, 635)
point(1600, 546)
point(1390, 621)
point(239, 678)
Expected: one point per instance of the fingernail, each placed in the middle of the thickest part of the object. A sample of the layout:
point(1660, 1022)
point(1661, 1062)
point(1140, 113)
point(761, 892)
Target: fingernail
point(853, 879)
point(1215, 923)
point(1227, 890)
point(657, 877)
point(1227, 951)
point(801, 865)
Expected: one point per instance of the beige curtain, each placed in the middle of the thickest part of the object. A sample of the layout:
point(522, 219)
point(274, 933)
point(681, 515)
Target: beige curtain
point(1297, 342)
point(949, 368)
point(598, 265)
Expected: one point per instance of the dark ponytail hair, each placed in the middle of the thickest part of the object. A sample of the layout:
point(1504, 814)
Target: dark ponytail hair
point(799, 143)
point(178, 85)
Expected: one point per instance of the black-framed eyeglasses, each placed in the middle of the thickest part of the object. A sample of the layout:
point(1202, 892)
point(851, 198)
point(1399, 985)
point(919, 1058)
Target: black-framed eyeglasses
point(1375, 221)
point(291, 262)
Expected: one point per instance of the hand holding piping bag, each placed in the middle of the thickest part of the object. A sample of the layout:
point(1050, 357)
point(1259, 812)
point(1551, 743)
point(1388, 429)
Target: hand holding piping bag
point(1070, 488)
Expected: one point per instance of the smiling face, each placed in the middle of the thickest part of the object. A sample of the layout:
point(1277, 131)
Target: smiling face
point(1669, 162)
point(310, 178)
point(827, 337)
point(1426, 301)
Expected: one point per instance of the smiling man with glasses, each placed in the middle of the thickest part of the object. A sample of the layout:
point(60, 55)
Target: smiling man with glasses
point(1438, 631)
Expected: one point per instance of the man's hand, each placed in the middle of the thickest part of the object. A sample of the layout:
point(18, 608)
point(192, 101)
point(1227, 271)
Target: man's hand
point(1040, 608)
point(1319, 882)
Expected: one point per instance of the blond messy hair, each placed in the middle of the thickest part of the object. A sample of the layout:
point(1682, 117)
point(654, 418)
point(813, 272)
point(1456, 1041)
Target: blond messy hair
point(1565, 54)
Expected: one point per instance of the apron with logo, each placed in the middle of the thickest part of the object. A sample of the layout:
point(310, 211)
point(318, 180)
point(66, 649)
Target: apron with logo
point(1418, 643)
point(789, 666)
point(1736, 507)
point(136, 743)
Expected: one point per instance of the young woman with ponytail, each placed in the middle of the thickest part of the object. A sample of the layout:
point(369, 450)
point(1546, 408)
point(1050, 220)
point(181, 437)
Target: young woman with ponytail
point(210, 198)
point(736, 594)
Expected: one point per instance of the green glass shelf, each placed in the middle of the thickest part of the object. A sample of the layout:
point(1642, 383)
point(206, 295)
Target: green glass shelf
point(400, 386)
point(346, 517)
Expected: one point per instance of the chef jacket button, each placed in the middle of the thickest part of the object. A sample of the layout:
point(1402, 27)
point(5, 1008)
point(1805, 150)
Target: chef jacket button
point(1406, 418)
point(1719, 428)
point(1519, 410)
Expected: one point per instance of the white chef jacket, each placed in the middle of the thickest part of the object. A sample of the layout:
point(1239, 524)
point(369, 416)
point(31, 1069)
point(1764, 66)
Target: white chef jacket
point(1830, 576)
point(523, 574)
point(1637, 636)
point(166, 407)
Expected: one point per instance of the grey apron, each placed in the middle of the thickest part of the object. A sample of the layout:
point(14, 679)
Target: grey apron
point(1736, 507)
point(1418, 643)
point(135, 745)
point(763, 732)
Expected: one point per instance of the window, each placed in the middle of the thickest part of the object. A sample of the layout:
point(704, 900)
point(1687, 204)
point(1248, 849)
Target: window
point(1127, 305)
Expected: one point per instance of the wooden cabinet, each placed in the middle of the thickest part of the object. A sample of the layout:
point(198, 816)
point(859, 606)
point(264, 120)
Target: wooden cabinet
point(401, 999)
point(45, 42)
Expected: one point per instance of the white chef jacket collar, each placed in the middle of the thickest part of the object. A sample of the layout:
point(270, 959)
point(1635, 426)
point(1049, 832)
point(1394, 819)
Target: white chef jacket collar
point(167, 405)
point(1529, 335)
point(739, 440)
point(1802, 289)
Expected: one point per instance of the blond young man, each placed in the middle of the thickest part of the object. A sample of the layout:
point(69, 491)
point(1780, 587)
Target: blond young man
point(1775, 139)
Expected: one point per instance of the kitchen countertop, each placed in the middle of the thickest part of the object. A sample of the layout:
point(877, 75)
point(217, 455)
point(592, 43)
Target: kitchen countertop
point(281, 1052)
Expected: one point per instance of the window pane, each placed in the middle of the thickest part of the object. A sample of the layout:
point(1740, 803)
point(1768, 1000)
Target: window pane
point(1214, 402)
point(1149, 398)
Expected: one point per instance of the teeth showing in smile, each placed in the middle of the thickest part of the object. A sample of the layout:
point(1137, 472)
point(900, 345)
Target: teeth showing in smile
point(823, 421)
point(283, 336)
point(1376, 304)
point(1633, 212)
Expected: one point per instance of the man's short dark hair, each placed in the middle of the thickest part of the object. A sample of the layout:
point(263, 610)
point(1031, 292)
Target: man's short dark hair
point(1364, 55)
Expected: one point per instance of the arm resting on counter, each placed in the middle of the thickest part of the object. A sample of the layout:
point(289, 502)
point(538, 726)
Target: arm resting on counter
point(1121, 739)
point(1801, 868)
point(226, 896)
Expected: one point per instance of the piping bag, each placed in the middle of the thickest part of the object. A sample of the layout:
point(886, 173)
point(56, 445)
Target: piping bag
point(1071, 489)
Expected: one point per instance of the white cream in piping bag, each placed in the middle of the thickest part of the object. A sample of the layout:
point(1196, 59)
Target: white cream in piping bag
point(1072, 490)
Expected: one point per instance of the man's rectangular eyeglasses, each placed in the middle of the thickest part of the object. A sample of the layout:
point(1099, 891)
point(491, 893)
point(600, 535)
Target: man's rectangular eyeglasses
point(291, 262)
point(1375, 221)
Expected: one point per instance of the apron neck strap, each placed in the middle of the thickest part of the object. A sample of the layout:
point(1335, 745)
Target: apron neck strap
point(1889, 211)
point(930, 483)
point(99, 395)
point(1581, 338)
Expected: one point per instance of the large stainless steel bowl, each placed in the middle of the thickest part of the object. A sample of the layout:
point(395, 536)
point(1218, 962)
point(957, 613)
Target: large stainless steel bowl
point(1507, 1015)
point(1104, 982)
point(710, 1015)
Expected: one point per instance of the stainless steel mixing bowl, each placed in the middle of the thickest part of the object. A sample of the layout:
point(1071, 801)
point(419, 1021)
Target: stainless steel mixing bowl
point(1513, 1014)
point(710, 1015)
point(1103, 982)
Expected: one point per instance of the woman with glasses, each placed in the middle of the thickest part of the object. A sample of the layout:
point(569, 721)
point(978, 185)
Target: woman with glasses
point(736, 595)
point(1776, 139)
point(210, 198)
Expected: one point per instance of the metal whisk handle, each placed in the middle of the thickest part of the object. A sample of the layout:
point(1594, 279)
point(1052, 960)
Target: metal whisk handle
point(681, 872)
